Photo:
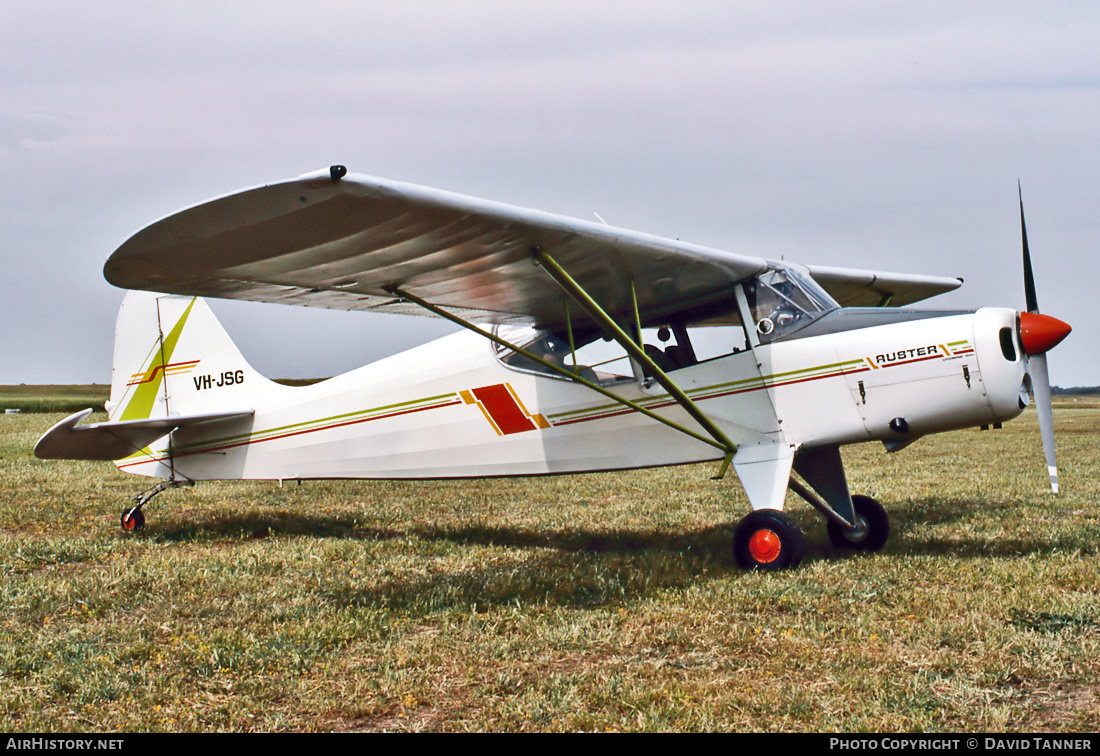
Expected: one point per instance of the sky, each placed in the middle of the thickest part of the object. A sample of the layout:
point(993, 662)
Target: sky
point(879, 135)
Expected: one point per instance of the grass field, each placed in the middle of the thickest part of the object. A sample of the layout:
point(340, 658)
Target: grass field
point(67, 399)
point(601, 602)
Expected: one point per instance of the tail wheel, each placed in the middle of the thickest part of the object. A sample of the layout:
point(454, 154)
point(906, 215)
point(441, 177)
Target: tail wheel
point(132, 519)
point(768, 539)
point(872, 533)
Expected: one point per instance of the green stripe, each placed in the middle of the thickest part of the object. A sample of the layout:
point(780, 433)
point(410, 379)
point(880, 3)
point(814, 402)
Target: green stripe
point(760, 382)
point(307, 424)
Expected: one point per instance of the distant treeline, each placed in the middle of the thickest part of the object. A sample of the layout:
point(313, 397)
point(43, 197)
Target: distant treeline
point(73, 398)
point(24, 398)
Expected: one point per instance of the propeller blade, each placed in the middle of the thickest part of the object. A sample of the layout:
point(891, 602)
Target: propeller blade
point(1040, 381)
point(1039, 333)
point(1029, 276)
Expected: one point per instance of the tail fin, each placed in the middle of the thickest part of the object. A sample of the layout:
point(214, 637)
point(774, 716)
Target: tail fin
point(172, 357)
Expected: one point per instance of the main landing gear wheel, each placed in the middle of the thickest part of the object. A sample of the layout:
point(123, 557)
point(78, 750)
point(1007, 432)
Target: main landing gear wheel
point(873, 531)
point(132, 519)
point(769, 540)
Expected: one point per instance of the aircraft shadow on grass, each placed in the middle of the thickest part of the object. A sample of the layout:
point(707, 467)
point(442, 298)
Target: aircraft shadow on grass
point(639, 560)
point(707, 543)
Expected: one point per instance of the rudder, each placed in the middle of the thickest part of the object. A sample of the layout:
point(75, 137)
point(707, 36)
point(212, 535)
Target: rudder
point(172, 357)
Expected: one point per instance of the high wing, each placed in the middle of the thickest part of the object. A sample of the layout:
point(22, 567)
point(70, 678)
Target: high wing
point(349, 242)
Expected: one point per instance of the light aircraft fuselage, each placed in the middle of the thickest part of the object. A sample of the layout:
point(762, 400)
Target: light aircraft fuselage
point(454, 408)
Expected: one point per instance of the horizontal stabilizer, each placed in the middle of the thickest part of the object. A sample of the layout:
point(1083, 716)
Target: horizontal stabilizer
point(115, 440)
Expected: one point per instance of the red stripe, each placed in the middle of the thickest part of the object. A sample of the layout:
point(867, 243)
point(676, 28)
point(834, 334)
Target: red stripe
point(936, 356)
point(501, 406)
point(146, 377)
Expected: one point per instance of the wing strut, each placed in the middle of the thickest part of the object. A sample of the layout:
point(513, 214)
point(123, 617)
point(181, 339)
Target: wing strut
point(636, 352)
point(725, 446)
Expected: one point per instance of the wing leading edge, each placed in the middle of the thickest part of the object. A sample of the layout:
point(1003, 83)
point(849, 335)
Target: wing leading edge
point(865, 288)
point(347, 242)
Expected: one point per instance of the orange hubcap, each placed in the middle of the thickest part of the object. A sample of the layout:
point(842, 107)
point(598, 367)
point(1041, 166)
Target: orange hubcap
point(764, 545)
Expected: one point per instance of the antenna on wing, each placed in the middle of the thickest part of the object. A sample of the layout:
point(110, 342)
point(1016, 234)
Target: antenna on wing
point(601, 220)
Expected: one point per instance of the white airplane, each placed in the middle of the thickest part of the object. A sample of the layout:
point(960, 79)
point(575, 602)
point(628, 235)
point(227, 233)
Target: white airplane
point(584, 348)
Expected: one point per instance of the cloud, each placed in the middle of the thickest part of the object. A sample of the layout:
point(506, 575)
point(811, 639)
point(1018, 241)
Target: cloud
point(881, 135)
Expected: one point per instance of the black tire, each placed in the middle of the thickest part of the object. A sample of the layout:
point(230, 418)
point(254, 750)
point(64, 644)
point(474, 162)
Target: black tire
point(768, 540)
point(870, 538)
point(132, 519)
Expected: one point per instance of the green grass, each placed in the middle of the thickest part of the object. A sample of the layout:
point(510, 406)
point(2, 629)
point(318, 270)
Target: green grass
point(73, 398)
point(67, 399)
point(598, 602)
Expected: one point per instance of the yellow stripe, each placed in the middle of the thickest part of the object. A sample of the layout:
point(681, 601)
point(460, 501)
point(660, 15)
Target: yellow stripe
point(485, 412)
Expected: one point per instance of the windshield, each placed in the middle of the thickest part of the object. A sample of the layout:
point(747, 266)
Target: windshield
point(783, 300)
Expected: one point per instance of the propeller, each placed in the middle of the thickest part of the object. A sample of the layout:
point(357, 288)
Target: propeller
point(1038, 334)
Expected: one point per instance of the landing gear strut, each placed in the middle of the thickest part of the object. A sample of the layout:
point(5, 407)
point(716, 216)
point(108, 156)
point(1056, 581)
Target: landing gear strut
point(133, 519)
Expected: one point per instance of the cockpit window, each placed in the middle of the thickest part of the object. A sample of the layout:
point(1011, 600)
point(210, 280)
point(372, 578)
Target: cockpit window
point(782, 300)
point(601, 360)
point(596, 360)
